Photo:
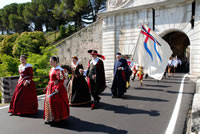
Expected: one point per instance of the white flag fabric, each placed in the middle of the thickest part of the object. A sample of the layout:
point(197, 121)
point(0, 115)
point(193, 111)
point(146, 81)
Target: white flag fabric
point(152, 52)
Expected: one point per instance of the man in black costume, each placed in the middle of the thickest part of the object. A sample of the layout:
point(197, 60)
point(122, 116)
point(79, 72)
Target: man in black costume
point(96, 76)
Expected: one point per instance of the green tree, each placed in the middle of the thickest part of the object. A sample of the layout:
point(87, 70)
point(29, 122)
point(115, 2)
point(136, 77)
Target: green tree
point(80, 5)
point(48, 6)
point(39, 12)
point(6, 45)
point(86, 10)
point(41, 66)
point(40, 62)
point(2, 28)
point(96, 6)
point(11, 18)
point(17, 23)
point(60, 15)
point(31, 17)
point(29, 42)
point(62, 31)
point(7, 10)
point(80, 12)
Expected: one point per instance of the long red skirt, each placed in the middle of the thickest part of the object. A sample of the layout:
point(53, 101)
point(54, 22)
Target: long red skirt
point(24, 100)
point(56, 108)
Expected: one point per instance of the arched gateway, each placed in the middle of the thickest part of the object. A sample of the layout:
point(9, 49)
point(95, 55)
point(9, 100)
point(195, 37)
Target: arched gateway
point(179, 44)
point(177, 22)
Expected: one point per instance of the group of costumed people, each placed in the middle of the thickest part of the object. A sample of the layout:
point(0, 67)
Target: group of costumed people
point(81, 85)
point(173, 63)
point(69, 86)
point(59, 93)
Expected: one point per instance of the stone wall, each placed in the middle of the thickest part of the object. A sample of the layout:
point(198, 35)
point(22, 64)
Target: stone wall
point(195, 39)
point(7, 87)
point(122, 27)
point(78, 44)
point(120, 34)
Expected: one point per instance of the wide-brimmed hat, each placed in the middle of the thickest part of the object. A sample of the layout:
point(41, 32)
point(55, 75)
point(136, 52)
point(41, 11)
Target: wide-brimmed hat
point(94, 52)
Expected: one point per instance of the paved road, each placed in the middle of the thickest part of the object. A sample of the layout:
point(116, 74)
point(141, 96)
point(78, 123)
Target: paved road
point(143, 110)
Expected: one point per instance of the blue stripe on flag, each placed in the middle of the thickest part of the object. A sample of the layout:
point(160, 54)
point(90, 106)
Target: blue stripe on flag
point(157, 51)
point(148, 51)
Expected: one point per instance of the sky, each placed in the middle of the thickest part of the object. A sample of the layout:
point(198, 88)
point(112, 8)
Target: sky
point(7, 2)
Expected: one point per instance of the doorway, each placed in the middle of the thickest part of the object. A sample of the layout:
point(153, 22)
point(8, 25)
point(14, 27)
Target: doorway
point(179, 44)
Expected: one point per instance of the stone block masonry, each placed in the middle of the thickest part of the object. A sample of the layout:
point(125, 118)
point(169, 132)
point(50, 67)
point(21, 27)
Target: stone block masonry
point(79, 43)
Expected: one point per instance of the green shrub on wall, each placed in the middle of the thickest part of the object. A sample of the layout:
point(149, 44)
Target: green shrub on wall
point(62, 31)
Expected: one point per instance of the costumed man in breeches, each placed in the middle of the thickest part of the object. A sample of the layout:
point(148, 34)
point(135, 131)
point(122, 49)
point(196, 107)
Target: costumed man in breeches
point(96, 76)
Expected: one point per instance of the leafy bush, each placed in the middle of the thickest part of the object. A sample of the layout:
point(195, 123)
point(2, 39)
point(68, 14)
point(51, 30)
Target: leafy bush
point(36, 47)
point(62, 32)
point(29, 42)
point(8, 66)
point(7, 43)
point(51, 36)
point(65, 32)
point(41, 66)
point(70, 30)
point(2, 37)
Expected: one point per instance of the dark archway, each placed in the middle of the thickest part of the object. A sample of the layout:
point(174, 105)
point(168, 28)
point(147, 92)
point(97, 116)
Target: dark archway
point(179, 43)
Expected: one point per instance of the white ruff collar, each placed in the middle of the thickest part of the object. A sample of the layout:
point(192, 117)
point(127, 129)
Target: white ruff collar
point(22, 68)
point(58, 67)
point(75, 65)
point(94, 61)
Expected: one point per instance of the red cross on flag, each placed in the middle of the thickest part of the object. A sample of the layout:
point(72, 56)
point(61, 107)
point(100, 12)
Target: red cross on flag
point(152, 52)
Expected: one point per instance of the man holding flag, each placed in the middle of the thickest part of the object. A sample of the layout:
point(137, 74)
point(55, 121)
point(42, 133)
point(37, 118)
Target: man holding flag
point(152, 53)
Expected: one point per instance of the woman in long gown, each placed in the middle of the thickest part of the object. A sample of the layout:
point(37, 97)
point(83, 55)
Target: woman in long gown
point(24, 100)
point(56, 104)
point(68, 74)
point(78, 90)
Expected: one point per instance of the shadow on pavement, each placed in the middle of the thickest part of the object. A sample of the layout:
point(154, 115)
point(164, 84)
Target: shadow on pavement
point(175, 92)
point(129, 97)
point(38, 115)
point(148, 89)
point(106, 94)
point(161, 86)
point(174, 82)
point(126, 110)
point(76, 124)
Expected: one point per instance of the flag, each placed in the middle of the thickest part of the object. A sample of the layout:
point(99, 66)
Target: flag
point(152, 52)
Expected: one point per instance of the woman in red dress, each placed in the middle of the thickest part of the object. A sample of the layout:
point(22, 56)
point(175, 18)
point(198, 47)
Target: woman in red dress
point(56, 104)
point(24, 100)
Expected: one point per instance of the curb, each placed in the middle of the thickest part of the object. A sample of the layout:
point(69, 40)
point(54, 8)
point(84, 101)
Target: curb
point(195, 121)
